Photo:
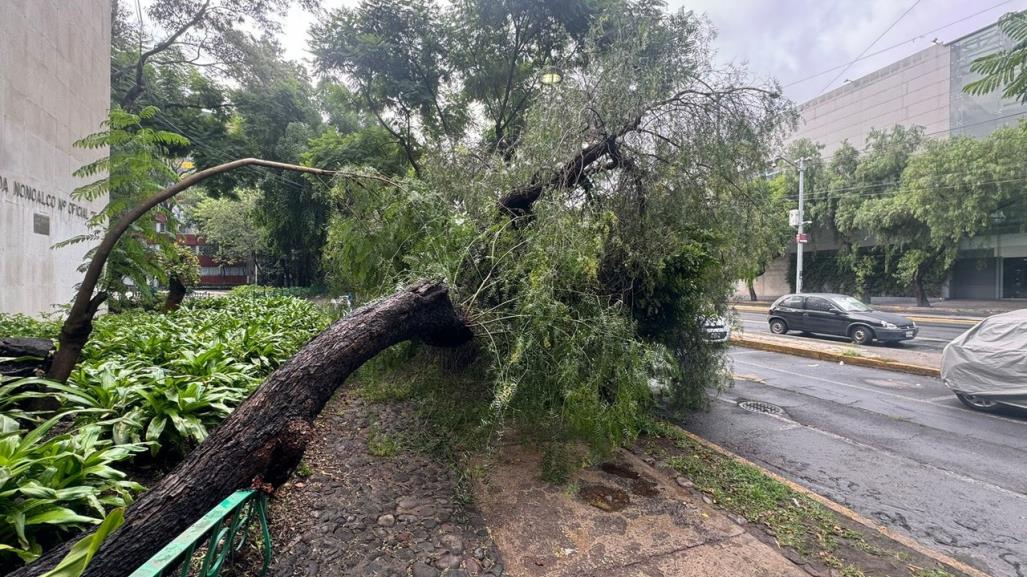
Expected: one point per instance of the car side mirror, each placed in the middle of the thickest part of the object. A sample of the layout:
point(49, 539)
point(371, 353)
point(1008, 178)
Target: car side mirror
point(836, 311)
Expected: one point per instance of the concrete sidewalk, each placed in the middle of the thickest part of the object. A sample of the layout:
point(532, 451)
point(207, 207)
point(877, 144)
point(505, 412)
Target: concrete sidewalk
point(637, 515)
point(632, 527)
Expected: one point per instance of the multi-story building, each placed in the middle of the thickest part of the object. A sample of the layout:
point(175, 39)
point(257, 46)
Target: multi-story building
point(54, 90)
point(925, 89)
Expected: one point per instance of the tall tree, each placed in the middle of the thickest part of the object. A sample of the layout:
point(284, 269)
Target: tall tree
point(205, 33)
point(875, 179)
point(393, 51)
point(583, 267)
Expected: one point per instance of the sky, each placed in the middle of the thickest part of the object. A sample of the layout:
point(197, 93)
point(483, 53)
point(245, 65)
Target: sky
point(809, 46)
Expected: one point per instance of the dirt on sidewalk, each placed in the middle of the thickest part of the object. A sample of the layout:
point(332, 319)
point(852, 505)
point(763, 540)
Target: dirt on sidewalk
point(621, 519)
point(669, 506)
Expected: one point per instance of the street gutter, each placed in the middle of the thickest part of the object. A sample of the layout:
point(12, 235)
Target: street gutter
point(840, 509)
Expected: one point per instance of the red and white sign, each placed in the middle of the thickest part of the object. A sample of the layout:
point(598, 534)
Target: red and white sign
point(802, 238)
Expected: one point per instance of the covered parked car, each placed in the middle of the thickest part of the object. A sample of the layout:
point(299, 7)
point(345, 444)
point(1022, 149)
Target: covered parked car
point(838, 315)
point(986, 366)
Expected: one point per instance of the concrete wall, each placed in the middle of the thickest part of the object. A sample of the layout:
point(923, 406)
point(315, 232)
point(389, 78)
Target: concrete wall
point(54, 89)
point(912, 91)
point(771, 284)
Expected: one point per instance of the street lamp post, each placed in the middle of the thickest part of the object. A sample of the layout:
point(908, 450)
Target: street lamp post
point(800, 237)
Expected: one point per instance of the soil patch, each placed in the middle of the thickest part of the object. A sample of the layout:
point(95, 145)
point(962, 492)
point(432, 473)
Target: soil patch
point(604, 497)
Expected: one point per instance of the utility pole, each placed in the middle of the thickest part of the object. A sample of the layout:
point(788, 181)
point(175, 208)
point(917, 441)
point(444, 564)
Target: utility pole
point(800, 238)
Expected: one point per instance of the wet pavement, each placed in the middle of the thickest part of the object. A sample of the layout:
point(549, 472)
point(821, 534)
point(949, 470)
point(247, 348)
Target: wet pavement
point(896, 448)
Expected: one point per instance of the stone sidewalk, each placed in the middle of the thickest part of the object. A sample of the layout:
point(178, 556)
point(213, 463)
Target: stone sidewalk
point(367, 502)
point(374, 497)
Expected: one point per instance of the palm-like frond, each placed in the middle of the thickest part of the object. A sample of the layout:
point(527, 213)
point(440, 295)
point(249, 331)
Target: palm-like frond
point(1006, 69)
point(137, 166)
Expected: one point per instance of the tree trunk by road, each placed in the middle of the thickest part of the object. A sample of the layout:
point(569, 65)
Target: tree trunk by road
point(264, 438)
point(751, 285)
point(920, 291)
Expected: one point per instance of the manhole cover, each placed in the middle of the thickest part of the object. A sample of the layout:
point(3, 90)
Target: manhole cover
point(761, 407)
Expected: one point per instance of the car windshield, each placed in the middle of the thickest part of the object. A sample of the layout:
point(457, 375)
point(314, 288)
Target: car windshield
point(850, 304)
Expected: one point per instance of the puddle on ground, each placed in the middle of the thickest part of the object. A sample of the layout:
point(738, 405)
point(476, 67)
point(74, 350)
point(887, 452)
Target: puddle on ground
point(609, 499)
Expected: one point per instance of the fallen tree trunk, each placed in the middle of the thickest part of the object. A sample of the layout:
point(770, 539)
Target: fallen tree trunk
point(265, 437)
point(26, 356)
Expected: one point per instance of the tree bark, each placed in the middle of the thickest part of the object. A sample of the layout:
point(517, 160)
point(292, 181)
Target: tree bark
point(28, 355)
point(920, 292)
point(750, 284)
point(176, 293)
point(265, 437)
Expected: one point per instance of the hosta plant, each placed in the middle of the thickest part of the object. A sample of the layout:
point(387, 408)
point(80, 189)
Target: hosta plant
point(53, 486)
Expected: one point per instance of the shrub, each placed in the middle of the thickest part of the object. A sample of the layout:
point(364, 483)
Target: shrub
point(50, 487)
point(145, 381)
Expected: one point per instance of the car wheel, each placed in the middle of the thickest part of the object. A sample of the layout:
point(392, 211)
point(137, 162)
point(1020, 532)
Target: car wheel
point(778, 327)
point(977, 403)
point(861, 335)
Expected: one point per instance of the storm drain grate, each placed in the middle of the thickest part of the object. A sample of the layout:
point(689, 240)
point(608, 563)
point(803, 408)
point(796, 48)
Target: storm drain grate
point(761, 407)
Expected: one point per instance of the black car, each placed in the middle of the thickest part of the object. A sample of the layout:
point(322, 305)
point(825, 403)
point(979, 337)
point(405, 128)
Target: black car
point(841, 315)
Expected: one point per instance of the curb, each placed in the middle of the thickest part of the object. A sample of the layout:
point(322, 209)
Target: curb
point(841, 509)
point(921, 319)
point(872, 362)
point(951, 322)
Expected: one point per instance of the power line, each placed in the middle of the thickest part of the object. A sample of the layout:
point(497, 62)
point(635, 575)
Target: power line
point(871, 45)
point(894, 46)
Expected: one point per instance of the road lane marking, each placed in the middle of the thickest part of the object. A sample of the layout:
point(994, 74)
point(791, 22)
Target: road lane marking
point(879, 392)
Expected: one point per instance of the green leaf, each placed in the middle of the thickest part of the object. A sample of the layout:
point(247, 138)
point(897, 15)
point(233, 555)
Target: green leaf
point(59, 516)
point(82, 552)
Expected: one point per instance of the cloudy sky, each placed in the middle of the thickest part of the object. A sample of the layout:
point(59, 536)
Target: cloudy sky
point(805, 44)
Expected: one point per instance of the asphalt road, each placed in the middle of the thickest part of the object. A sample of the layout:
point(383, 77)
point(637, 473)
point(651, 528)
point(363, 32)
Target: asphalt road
point(894, 447)
point(931, 338)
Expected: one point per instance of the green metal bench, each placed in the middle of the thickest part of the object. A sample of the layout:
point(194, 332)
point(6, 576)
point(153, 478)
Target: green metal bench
point(224, 529)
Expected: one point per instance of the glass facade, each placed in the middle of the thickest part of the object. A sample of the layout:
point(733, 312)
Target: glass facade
point(980, 115)
point(1014, 278)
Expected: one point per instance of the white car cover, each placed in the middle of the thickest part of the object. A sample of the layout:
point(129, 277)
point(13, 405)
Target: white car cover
point(989, 360)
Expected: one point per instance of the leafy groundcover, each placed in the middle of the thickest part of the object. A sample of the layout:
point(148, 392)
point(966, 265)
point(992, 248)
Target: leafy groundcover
point(148, 388)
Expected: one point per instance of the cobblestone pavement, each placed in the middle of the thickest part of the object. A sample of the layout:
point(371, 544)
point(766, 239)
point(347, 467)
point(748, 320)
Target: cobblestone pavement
point(372, 504)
